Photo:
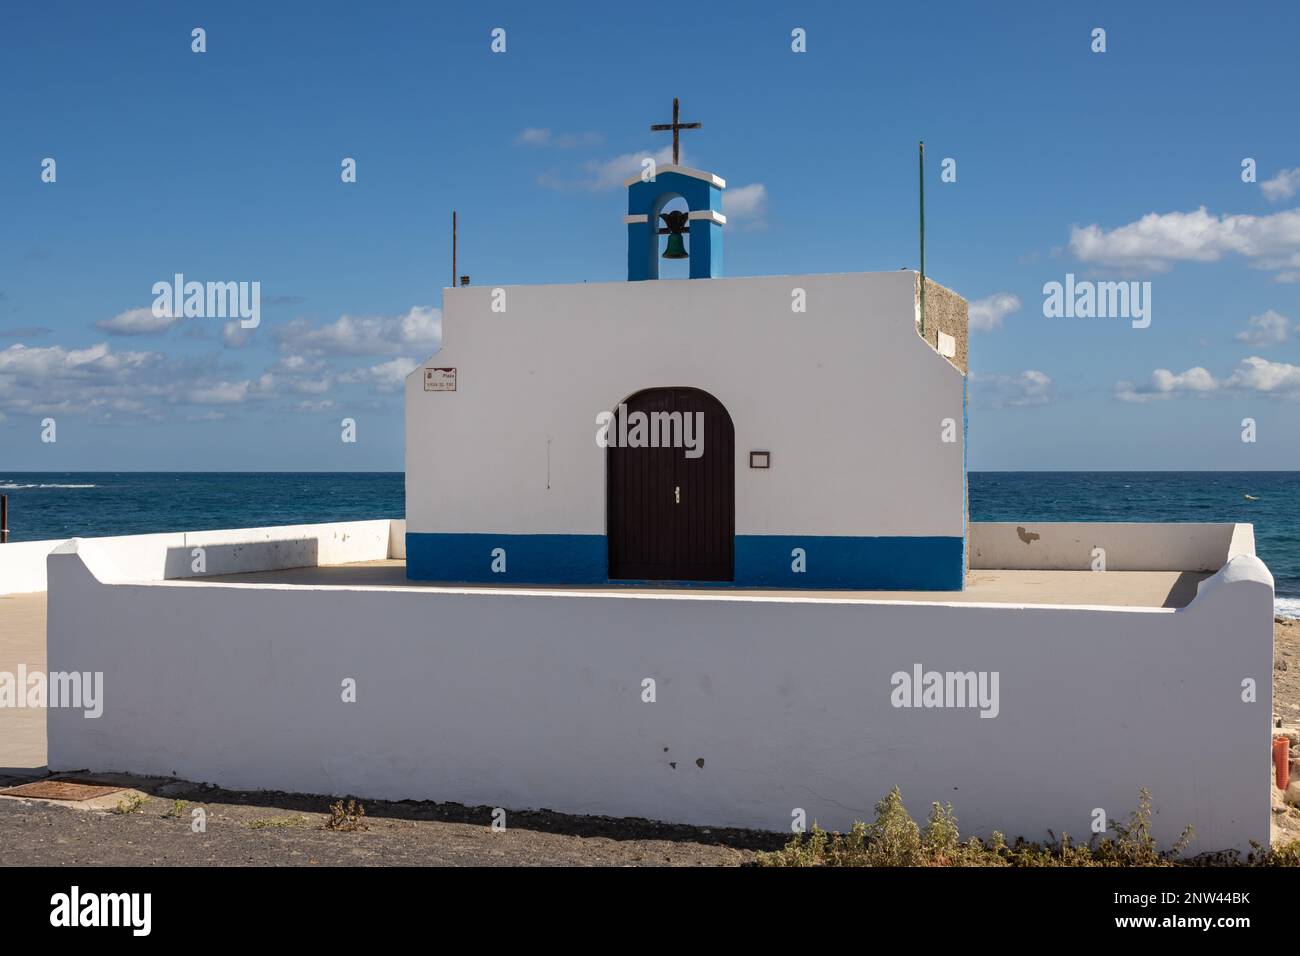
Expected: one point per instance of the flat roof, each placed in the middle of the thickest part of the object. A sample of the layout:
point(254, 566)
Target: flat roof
point(1146, 589)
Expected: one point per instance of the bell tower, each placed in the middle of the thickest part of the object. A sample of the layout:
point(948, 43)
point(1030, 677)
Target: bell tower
point(700, 226)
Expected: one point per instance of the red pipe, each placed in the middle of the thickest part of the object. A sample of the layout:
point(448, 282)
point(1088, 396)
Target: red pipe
point(1281, 761)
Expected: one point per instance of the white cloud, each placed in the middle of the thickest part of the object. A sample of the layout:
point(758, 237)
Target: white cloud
point(419, 329)
point(1030, 387)
point(611, 173)
point(56, 362)
point(299, 365)
point(235, 335)
point(1196, 379)
point(1165, 384)
point(533, 136)
point(1267, 328)
point(103, 384)
point(745, 202)
point(1158, 240)
point(218, 393)
point(540, 136)
point(136, 322)
point(385, 377)
point(1253, 375)
point(307, 407)
point(1282, 186)
point(987, 314)
point(606, 174)
point(1260, 375)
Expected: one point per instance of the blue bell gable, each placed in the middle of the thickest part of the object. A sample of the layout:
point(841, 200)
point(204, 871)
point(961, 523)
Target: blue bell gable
point(646, 198)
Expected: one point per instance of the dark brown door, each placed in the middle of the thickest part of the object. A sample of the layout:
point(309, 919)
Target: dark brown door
point(670, 516)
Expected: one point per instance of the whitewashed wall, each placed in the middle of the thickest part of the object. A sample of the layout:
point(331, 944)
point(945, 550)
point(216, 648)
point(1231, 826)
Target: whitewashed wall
point(155, 557)
point(1068, 546)
point(22, 565)
point(1059, 546)
point(846, 396)
point(534, 699)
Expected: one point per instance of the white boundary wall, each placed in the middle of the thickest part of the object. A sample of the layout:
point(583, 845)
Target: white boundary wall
point(1058, 546)
point(534, 699)
point(156, 557)
point(1129, 546)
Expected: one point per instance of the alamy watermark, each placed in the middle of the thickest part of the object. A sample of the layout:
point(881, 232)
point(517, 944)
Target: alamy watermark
point(652, 430)
point(209, 300)
point(1098, 300)
point(129, 910)
point(71, 689)
point(922, 688)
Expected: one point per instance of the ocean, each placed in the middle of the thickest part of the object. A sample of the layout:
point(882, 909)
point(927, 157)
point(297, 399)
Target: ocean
point(61, 505)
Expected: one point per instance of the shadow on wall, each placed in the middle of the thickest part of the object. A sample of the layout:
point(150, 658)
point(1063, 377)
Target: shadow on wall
point(1184, 589)
point(200, 560)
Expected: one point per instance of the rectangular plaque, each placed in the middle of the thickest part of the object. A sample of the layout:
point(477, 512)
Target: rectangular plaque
point(440, 380)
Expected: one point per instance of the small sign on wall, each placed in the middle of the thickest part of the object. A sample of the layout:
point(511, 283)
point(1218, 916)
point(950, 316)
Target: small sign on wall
point(440, 380)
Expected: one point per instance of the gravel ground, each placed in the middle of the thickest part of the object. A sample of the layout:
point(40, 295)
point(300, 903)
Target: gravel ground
point(1286, 711)
point(1286, 671)
point(278, 829)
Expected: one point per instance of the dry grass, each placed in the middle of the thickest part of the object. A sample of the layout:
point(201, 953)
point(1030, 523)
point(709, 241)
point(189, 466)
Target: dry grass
point(893, 838)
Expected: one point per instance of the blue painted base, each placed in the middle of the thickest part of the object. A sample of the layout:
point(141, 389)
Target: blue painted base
point(761, 561)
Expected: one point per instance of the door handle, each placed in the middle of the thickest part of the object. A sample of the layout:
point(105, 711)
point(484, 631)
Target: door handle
point(677, 494)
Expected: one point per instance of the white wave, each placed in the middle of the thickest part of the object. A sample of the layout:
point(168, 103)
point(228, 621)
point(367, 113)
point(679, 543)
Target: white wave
point(1288, 607)
point(17, 487)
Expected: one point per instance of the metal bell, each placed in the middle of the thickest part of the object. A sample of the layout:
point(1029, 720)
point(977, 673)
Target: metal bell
point(677, 224)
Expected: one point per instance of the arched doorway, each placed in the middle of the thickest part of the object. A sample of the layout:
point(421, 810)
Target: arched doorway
point(670, 497)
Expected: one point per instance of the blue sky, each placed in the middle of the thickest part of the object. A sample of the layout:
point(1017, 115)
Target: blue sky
point(225, 166)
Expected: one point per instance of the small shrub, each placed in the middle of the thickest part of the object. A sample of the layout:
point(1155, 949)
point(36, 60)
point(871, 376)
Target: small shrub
point(1134, 845)
point(129, 804)
point(894, 839)
point(1284, 854)
point(175, 810)
point(348, 818)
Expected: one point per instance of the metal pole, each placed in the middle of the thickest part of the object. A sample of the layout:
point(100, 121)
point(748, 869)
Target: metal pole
point(4, 519)
point(921, 172)
point(453, 248)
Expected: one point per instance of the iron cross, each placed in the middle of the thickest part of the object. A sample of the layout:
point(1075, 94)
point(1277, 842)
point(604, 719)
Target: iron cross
point(675, 126)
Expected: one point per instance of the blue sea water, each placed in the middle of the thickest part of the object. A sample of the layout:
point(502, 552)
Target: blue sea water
point(87, 504)
point(60, 505)
point(1159, 496)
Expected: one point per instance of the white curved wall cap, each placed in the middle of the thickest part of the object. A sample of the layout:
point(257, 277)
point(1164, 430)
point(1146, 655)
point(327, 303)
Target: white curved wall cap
point(1244, 568)
point(685, 171)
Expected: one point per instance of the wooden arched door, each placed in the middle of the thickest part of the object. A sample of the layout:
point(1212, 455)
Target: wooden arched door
point(671, 511)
